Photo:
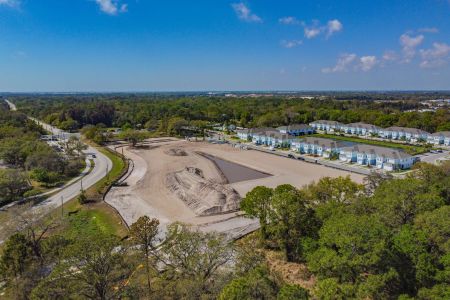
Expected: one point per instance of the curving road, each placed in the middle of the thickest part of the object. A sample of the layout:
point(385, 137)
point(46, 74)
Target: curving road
point(102, 166)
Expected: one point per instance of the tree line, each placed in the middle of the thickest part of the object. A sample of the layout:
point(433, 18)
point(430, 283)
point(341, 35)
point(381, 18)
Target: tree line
point(166, 114)
point(387, 239)
point(26, 159)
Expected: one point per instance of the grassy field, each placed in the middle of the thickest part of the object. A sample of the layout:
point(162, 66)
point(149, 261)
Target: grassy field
point(410, 149)
point(97, 215)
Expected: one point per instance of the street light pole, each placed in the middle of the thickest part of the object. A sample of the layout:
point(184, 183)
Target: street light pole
point(62, 207)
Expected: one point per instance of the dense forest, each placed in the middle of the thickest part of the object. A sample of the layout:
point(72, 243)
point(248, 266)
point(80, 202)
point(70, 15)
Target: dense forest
point(163, 113)
point(28, 165)
point(387, 239)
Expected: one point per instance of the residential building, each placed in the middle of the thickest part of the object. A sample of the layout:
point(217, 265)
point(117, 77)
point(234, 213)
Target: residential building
point(326, 125)
point(379, 157)
point(440, 138)
point(296, 129)
point(360, 129)
point(273, 138)
point(247, 134)
point(317, 146)
point(404, 133)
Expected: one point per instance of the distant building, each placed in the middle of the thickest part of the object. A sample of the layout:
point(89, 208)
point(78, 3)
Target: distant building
point(296, 129)
point(360, 129)
point(380, 157)
point(325, 125)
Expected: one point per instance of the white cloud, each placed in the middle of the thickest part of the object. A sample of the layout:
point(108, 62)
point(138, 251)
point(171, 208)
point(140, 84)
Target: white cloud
point(111, 7)
point(312, 32)
point(343, 63)
point(429, 30)
point(367, 63)
point(409, 45)
point(244, 13)
point(334, 26)
point(289, 21)
point(10, 3)
point(436, 56)
point(291, 43)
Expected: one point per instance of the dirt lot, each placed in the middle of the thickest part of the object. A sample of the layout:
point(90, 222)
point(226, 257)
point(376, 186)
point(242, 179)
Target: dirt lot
point(161, 186)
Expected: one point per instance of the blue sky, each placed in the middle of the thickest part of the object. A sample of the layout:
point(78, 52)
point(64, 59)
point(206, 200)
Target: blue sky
point(168, 45)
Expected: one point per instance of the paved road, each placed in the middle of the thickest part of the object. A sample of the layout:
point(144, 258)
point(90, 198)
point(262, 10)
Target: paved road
point(102, 165)
point(433, 158)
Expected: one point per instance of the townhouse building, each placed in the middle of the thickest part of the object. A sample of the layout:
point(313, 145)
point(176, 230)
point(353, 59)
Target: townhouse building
point(360, 128)
point(440, 138)
point(296, 129)
point(248, 133)
point(404, 133)
point(326, 125)
point(379, 157)
point(317, 146)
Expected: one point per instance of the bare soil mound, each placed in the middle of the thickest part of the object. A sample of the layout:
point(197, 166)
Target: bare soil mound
point(176, 152)
point(205, 197)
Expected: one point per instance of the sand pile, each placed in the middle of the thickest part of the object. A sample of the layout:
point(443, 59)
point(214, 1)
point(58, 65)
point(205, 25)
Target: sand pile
point(203, 196)
point(176, 152)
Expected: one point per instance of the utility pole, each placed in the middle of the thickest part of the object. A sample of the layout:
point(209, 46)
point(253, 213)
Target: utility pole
point(81, 182)
point(62, 207)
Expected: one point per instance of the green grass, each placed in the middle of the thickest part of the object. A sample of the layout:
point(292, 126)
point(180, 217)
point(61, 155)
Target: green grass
point(410, 149)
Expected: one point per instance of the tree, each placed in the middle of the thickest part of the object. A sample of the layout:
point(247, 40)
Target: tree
point(133, 136)
point(15, 258)
point(176, 124)
point(291, 220)
point(374, 180)
point(292, 292)
point(194, 262)
point(257, 204)
point(73, 146)
point(398, 201)
point(256, 285)
point(351, 246)
point(93, 267)
point(13, 184)
point(144, 232)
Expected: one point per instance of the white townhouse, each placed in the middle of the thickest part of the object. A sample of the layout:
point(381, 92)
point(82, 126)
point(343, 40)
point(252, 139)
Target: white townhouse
point(380, 157)
point(317, 146)
point(404, 133)
point(360, 128)
point(440, 138)
point(296, 129)
point(326, 125)
point(273, 138)
point(247, 133)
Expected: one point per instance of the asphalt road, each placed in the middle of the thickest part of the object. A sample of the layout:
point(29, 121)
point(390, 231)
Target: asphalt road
point(102, 166)
point(432, 158)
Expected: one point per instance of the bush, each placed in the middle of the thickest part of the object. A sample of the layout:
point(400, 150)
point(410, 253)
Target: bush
point(73, 168)
point(82, 198)
point(292, 292)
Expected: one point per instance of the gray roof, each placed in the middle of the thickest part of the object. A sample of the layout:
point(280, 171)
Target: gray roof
point(380, 151)
point(279, 135)
point(406, 129)
point(362, 125)
point(442, 133)
point(294, 127)
point(325, 143)
point(328, 122)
